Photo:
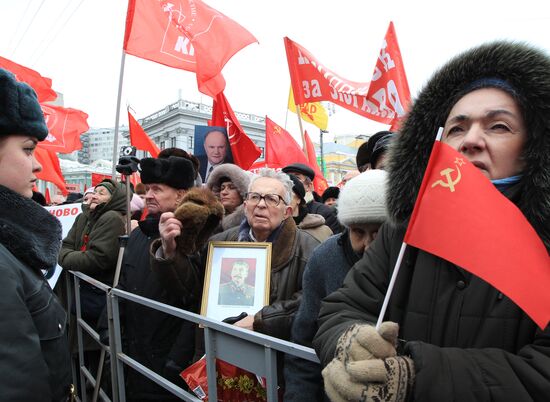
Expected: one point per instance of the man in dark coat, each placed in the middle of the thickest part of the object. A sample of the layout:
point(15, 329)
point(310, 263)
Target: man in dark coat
point(306, 176)
point(159, 341)
point(461, 339)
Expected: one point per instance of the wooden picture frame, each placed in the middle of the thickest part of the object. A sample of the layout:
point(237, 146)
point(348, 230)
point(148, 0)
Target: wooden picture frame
point(237, 279)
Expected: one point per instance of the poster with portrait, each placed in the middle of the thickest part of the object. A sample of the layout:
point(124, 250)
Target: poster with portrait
point(236, 279)
point(211, 148)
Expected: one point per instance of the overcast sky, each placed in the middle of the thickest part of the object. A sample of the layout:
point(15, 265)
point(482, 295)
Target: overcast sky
point(78, 44)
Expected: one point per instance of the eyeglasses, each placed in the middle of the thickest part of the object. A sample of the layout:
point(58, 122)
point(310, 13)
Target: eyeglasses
point(271, 200)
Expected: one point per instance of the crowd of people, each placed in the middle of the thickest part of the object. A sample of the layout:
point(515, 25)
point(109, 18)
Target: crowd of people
point(447, 335)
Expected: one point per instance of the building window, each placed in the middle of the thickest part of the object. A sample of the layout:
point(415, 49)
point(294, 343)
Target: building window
point(162, 144)
point(190, 143)
point(173, 142)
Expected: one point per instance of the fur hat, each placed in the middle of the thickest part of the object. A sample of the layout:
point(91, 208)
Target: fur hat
point(240, 178)
point(330, 192)
point(526, 70)
point(20, 112)
point(300, 168)
point(199, 213)
point(174, 171)
point(363, 199)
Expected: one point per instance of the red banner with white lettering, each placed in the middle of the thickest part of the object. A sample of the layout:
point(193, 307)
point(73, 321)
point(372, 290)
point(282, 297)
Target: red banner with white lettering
point(384, 99)
point(65, 126)
point(41, 85)
point(185, 34)
point(243, 149)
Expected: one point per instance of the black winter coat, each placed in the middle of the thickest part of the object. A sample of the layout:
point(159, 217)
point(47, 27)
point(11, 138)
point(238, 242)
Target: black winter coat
point(468, 341)
point(34, 351)
point(159, 341)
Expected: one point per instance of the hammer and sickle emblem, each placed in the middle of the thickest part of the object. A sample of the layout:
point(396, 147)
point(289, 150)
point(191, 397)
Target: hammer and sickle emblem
point(449, 183)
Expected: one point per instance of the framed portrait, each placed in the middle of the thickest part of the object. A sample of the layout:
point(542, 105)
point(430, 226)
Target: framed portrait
point(236, 279)
point(211, 148)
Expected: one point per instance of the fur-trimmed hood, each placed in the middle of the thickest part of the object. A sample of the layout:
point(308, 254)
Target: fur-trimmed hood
point(239, 177)
point(527, 70)
point(28, 231)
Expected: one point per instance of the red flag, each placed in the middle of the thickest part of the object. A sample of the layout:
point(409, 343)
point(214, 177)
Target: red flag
point(281, 148)
point(460, 216)
point(188, 35)
point(244, 151)
point(65, 126)
point(140, 139)
point(319, 183)
point(41, 85)
point(98, 178)
point(384, 99)
point(51, 171)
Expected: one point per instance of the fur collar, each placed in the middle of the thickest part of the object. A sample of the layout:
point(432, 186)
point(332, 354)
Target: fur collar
point(528, 71)
point(28, 231)
point(235, 218)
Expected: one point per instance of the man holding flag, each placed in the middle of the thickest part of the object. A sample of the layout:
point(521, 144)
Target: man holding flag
point(470, 305)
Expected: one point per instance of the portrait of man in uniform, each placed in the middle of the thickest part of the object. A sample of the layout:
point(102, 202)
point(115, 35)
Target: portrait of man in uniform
point(237, 292)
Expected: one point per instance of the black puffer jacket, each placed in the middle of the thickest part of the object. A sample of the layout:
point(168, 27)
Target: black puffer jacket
point(34, 351)
point(468, 341)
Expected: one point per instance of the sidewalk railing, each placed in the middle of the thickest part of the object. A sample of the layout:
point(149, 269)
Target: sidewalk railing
point(248, 350)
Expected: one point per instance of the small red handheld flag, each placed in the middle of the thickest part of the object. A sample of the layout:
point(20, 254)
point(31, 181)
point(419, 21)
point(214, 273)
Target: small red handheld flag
point(140, 139)
point(460, 216)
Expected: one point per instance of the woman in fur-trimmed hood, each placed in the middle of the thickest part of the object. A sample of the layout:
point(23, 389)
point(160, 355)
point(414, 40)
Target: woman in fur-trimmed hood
point(461, 339)
point(230, 183)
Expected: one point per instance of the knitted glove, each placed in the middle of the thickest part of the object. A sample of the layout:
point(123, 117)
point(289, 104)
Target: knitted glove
point(199, 213)
point(364, 342)
point(376, 380)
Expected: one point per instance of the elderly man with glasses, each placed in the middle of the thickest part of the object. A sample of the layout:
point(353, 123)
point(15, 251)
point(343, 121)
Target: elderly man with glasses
point(268, 218)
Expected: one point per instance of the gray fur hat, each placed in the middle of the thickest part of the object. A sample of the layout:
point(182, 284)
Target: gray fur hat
point(239, 177)
point(524, 68)
point(20, 112)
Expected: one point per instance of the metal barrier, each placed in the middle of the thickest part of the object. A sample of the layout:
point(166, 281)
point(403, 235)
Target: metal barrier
point(248, 350)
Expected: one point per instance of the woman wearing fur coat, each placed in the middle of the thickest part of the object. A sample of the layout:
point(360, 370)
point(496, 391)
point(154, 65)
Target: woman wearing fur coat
point(34, 353)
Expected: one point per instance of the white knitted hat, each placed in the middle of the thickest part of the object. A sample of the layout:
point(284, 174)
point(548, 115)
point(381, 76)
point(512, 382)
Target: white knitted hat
point(363, 199)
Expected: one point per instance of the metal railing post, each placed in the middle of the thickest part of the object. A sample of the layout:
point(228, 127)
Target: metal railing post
point(112, 348)
point(80, 341)
point(115, 342)
point(271, 374)
point(210, 350)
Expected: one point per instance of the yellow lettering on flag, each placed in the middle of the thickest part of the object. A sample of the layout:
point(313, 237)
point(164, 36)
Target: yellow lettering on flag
point(313, 113)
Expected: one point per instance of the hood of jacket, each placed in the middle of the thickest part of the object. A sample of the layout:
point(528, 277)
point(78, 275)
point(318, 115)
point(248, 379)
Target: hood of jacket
point(233, 219)
point(116, 203)
point(239, 178)
point(311, 221)
point(28, 231)
point(527, 70)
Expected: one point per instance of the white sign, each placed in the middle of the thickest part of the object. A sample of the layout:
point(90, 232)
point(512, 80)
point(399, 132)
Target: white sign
point(66, 214)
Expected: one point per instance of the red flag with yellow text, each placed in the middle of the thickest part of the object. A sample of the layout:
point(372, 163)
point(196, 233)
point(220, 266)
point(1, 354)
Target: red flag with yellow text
point(140, 139)
point(65, 126)
point(185, 34)
point(460, 216)
point(384, 99)
point(319, 183)
point(51, 170)
point(41, 85)
point(281, 148)
point(244, 150)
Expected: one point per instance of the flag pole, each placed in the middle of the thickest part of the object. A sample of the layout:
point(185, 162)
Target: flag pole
point(117, 118)
point(298, 113)
point(397, 266)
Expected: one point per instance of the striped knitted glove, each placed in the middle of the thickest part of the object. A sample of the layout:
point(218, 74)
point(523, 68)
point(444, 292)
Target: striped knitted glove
point(375, 380)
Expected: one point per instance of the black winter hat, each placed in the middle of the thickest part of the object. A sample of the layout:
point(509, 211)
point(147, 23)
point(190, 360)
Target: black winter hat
point(20, 112)
point(381, 146)
point(298, 188)
point(174, 171)
point(300, 168)
point(330, 192)
point(364, 153)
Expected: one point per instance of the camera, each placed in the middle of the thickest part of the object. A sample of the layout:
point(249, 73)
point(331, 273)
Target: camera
point(128, 151)
point(128, 162)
